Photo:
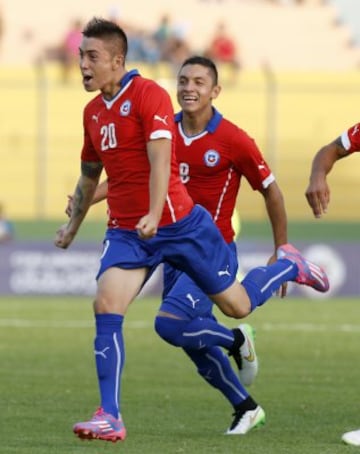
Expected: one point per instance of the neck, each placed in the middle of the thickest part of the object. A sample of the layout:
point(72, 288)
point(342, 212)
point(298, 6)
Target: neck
point(114, 85)
point(195, 123)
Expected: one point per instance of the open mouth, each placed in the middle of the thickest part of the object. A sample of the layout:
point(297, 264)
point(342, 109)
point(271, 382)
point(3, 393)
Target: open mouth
point(86, 78)
point(189, 98)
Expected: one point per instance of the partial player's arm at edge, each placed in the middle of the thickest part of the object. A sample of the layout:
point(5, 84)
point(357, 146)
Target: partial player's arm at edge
point(318, 191)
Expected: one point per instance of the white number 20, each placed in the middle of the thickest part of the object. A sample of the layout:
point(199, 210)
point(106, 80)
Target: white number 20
point(108, 137)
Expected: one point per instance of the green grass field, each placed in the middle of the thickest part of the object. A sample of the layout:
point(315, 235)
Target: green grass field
point(308, 382)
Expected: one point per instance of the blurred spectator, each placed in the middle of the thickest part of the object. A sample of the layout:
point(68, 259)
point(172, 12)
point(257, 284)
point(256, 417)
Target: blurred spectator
point(141, 46)
point(162, 35)
point(6, 227)
point(223, 50)
point(176, 49)
point(69, 49)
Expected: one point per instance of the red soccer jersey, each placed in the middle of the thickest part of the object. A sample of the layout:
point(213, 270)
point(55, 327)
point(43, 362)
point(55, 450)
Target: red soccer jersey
point(351, 138)
point(116, 133)
point(212, 164)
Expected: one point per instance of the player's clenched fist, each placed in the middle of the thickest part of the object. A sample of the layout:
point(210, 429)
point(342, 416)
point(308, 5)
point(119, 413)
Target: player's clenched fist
point(63, 237)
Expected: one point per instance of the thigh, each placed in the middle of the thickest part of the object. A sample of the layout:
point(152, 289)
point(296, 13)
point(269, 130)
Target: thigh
point(185, 299)
point(117, 288)
point(198, 248)
point(124, 249)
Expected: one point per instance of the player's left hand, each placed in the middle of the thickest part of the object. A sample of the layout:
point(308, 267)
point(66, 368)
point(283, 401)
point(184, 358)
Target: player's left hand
point(147, 226)
point(283, 289)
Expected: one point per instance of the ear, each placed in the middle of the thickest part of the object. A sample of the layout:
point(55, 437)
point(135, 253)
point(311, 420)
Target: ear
point(215, 91)
point(118, 61)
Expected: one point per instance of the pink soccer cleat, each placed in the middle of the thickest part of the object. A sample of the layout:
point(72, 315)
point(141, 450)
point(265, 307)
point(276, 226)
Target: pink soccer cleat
point(102, 426)
point(309, 274)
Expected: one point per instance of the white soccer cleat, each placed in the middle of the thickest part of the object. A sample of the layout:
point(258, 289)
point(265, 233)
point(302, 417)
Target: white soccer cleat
point(352, 438)
point(242, 424)
point(246, 358)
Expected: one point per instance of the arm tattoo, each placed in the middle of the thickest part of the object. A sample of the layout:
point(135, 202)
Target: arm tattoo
point(91, 169)
point(78, 202)
point(338, 142)
point(342, 152)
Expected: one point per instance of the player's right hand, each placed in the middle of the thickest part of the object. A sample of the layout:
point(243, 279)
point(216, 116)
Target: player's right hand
point(318, 197)
point(63, 237)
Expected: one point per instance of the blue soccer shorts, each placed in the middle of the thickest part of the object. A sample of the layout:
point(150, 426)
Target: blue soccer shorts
point(183, 297)
point(194, 245)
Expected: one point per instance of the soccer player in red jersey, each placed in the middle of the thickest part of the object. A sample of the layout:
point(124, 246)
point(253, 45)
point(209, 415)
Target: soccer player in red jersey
point(318, 197)
point(214, 155)
point(128, 131)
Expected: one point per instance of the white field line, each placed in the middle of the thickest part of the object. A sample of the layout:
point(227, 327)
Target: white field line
point(141, 324)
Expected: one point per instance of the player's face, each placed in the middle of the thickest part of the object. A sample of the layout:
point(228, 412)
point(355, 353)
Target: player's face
point(195, 88)
point(99, 68)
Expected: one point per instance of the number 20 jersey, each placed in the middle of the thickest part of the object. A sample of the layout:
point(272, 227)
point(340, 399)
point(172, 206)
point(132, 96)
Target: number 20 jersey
point(116, 132)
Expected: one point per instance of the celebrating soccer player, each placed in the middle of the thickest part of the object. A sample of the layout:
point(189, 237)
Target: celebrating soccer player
point(318, 196)
point(128, 131)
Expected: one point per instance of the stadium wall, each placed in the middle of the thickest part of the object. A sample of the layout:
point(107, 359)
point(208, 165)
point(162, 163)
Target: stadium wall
point(290, 115)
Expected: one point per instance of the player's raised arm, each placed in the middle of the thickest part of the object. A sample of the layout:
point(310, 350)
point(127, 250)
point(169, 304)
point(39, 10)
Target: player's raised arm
point(318, 191)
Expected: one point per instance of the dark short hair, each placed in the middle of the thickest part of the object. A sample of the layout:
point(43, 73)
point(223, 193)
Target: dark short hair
point(107, 30)
point(203, 61)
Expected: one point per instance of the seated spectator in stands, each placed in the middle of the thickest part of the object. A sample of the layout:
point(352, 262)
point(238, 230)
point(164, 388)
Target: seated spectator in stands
point(6, 227)
point(69, 49)
point(223, 50)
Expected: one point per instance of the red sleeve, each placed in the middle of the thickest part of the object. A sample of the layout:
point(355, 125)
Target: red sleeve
point(351, 138)
point(250, 162)
point(156, 112)
point(88, 152)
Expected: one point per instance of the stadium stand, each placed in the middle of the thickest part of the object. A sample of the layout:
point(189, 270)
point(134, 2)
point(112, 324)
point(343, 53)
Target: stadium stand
point(287, 37)
point(347, 13)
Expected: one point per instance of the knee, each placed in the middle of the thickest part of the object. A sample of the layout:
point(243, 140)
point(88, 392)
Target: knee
point(106, 305)
point(159, 328)
point(237, 311)
point(233, 302)
point(168, 329)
